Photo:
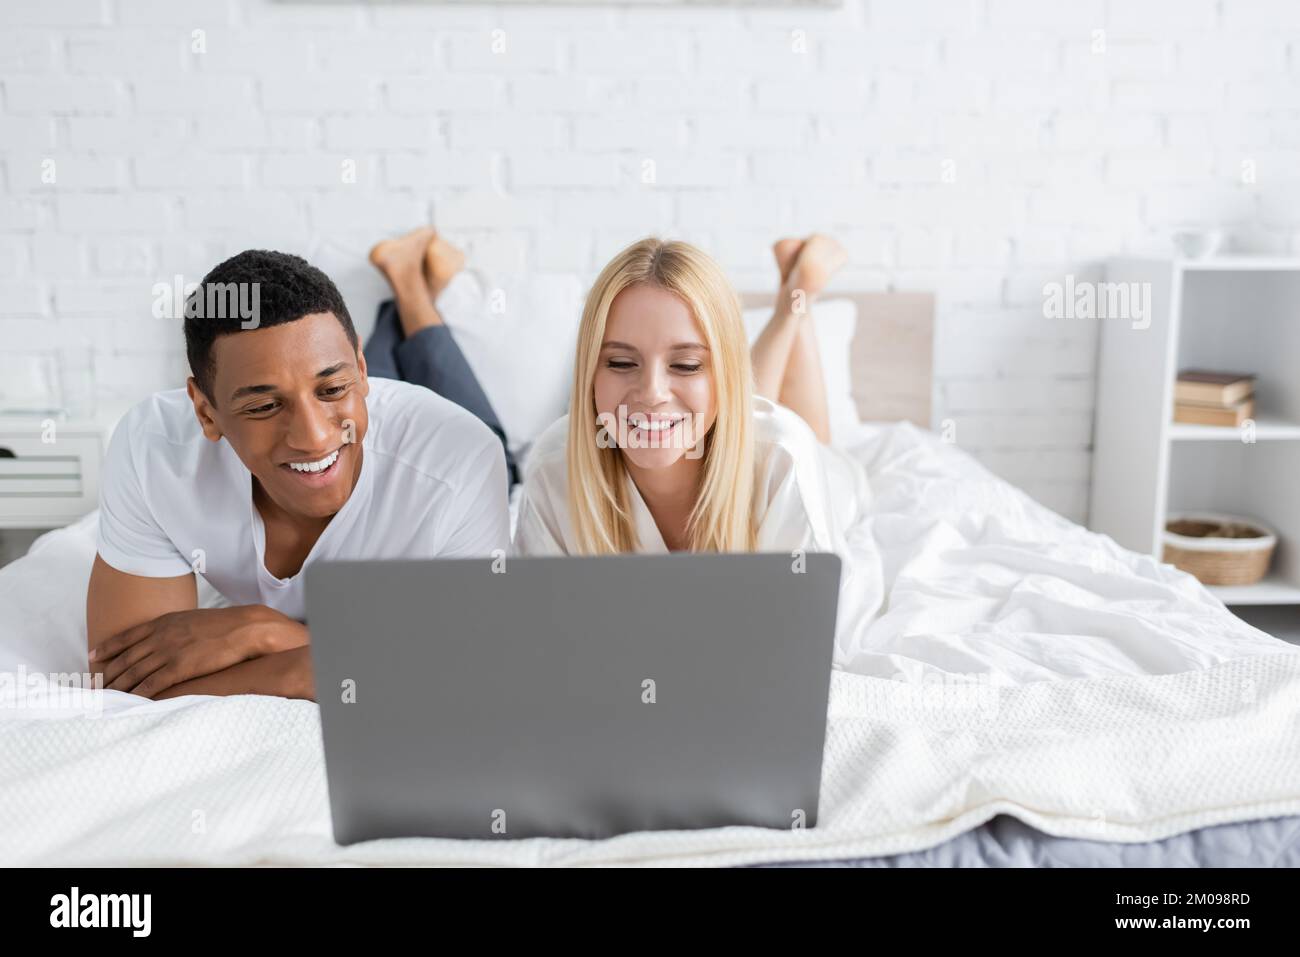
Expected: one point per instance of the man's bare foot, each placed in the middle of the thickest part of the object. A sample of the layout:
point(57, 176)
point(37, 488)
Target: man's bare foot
point(819, 258)
point(442, 261)
point(785, 252)
point(402, 258)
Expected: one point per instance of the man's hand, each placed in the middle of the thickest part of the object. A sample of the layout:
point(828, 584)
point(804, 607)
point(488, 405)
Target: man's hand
point(287, 674)
point(183, 645)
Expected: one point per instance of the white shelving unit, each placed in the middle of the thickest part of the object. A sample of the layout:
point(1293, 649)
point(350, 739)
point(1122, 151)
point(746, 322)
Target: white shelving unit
point(1233, 314)
point(1265, 429)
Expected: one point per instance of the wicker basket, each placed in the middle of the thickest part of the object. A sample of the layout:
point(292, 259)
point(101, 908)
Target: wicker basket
point(1219, 549)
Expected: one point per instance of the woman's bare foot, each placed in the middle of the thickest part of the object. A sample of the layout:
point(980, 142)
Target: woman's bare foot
point(786, 251)
point(819, 258)
point(442, 261)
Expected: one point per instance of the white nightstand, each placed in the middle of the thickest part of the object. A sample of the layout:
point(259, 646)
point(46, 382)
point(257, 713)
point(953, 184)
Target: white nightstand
point(49, 470)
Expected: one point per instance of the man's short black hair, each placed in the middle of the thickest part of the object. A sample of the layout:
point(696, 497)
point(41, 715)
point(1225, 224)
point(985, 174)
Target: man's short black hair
point(255, 289)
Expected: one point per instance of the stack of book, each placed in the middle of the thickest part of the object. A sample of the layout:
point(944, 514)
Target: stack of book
point(1213, 398)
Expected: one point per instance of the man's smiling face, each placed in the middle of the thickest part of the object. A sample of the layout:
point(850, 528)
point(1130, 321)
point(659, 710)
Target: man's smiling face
point(291, 401)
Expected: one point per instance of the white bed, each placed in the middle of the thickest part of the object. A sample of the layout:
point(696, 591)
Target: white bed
point(1021, 666)
point(1024, 666)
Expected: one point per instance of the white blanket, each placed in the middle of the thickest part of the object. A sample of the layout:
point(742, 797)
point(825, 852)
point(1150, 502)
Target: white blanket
point(1022, 666)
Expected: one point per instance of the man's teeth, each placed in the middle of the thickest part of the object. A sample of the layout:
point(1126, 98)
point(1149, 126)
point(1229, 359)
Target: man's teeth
point(320, 466)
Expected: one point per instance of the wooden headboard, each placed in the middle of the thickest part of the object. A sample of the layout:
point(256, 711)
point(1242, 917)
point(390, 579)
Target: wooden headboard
point(892, 354)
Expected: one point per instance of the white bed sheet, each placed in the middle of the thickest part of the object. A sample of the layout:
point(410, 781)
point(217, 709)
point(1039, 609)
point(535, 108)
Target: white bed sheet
point(1021, 665)
point(983, 581)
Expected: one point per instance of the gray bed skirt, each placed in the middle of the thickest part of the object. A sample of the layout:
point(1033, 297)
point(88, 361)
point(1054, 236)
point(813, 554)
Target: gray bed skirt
point(1008, 842)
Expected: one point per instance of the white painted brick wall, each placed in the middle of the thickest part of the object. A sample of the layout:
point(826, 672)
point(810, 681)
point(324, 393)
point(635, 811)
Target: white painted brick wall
point(523, 132)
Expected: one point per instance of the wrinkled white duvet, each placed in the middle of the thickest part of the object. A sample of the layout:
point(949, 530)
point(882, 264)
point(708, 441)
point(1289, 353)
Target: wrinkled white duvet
point(1021, 665)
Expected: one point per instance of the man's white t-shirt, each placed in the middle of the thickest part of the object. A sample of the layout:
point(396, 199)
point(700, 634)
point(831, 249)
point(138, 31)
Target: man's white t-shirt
point(432, 485)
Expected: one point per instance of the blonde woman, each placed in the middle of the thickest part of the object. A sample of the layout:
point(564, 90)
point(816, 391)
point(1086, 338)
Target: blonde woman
point(674, 442)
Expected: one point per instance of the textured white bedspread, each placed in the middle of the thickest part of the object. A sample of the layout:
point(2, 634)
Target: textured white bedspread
point(240, 780)
point(1021, 665)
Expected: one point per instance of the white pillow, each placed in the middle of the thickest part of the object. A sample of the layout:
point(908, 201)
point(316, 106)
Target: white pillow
point(43, 595)
point(834, 322)
point(519, 335)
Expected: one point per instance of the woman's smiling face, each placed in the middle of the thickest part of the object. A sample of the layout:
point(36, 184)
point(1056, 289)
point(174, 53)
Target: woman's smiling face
point(653, 387)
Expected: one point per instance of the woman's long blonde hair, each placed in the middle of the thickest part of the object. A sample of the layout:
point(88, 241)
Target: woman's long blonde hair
point(722, 519)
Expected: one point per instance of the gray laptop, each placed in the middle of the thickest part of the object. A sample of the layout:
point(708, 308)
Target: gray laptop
point(572, 697)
